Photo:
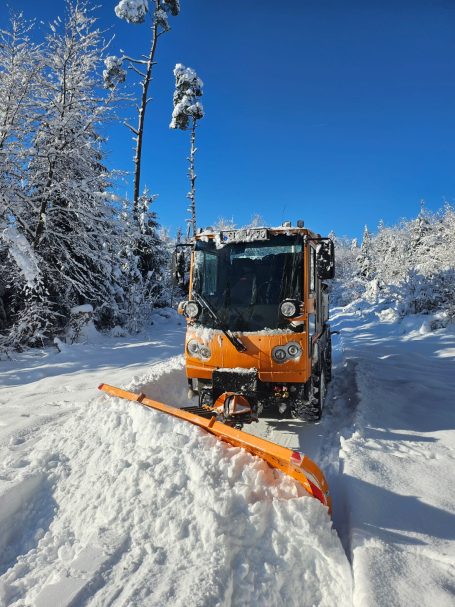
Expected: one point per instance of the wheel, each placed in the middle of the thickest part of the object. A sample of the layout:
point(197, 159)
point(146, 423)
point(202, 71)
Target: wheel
point(309, 400)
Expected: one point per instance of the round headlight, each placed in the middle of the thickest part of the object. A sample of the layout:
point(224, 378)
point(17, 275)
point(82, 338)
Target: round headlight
point(193, 347)
point(279, 354)
point(294, 349)
point(205, 352)
point(289, 308)
point(192, 309)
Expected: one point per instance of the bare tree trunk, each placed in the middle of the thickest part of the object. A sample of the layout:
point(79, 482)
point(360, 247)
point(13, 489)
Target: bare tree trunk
point(141, 117)
point(192, 175)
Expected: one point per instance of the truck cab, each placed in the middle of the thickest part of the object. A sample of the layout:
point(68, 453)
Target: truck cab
point(258, 337)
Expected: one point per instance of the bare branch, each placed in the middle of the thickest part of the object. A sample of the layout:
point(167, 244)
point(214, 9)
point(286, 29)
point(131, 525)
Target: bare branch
point(132, 67)
point(131, 60)
point(135, 131)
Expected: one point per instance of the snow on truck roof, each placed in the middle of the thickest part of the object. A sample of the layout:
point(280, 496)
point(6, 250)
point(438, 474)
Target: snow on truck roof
point(252, 234)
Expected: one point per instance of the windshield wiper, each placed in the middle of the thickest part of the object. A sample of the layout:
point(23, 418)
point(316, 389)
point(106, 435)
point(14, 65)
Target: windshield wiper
point(235, 341)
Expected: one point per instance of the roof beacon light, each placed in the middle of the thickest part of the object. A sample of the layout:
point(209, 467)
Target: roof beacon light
point(300, 223)
point(286, 224)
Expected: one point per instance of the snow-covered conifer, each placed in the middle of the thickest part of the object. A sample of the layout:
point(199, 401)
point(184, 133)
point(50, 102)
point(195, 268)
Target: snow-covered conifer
point(188, 88)
point(187, 111)
point(69, 214)
point(365, 257)
point(143, 260)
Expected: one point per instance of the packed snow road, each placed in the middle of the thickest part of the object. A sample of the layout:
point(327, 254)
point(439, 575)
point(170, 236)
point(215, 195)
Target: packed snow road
point(103, 502)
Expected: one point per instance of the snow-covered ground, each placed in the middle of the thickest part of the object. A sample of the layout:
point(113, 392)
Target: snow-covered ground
point(103, 502)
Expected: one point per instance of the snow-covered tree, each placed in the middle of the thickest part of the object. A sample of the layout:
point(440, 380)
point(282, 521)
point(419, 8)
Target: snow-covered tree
point(136, 12)
point(143, 286)
point(224, 223)
point(365, 257)
point(20, 63)
point(64, 216)
point(347, 285)
point(187, 111)
point(142, 250)
point(410, 265)
point(257, 221)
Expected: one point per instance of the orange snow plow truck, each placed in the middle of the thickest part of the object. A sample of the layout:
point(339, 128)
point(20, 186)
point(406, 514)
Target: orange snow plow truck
point(258, 339)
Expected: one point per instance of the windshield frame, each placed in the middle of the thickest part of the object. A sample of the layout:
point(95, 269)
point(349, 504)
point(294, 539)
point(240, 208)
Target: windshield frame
point(275, 268)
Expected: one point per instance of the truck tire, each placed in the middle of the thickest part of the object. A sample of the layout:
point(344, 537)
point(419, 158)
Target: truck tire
point(319, 392)
point(309, 401)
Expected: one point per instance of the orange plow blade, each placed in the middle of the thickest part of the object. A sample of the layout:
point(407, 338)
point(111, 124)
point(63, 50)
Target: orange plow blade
point(293, 463)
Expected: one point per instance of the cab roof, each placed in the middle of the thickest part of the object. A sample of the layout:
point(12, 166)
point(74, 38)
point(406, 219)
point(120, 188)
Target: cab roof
point(252, 234)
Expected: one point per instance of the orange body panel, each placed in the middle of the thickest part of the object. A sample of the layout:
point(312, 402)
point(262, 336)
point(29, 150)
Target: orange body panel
point(292, 463)
point(258, 355)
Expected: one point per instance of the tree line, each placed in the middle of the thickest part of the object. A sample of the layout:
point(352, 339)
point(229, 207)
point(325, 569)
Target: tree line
point(410, 265)
point(66, 238)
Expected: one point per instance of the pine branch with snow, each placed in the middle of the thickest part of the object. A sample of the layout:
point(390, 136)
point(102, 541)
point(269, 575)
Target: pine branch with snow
point(114, 74)
point(132, 11)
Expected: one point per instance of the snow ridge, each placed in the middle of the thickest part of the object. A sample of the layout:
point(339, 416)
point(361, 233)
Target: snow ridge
point(145, 509)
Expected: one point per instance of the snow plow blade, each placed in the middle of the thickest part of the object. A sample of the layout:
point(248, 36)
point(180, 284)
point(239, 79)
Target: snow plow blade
point(293, 463)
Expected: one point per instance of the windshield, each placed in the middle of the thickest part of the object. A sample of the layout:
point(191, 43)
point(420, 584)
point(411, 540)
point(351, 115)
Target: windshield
point(245, 282)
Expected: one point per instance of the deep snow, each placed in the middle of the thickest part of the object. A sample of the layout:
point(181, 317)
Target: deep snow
point(103, 502)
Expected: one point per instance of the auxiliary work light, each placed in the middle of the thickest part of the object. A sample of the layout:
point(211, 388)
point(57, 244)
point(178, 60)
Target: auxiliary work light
point(290, 308)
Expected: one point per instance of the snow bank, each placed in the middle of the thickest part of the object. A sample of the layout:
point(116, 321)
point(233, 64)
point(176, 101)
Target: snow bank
point(397, 458)
point(125, 506)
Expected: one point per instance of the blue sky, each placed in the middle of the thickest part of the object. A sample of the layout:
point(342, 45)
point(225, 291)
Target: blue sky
point(340, 113)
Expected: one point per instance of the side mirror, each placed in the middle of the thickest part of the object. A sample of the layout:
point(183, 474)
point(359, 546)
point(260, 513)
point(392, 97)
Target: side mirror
point(325, 259)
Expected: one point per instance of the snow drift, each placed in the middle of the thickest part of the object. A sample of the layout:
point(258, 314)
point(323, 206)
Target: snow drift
point(121, 505)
